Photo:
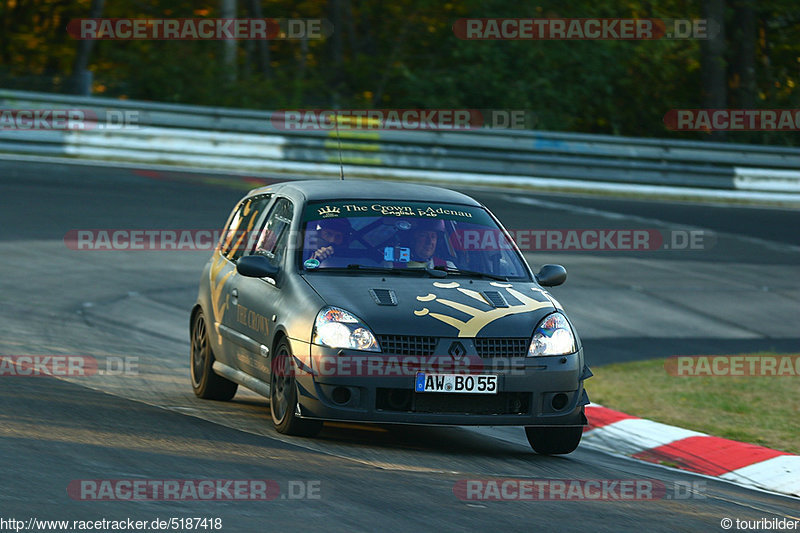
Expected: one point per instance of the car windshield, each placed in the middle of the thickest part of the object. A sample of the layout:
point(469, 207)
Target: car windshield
point(387, 235)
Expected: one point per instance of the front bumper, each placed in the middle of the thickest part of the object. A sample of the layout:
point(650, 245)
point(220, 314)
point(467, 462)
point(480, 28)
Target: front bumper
point(544, 391)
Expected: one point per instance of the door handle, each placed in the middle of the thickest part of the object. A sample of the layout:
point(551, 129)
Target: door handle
point(235, 293)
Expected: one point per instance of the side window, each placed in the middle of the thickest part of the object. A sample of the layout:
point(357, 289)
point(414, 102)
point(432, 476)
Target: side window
point(239, 235)
point(273, 239)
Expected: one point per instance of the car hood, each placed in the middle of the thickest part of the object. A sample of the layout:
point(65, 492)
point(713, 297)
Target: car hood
point(441, 307)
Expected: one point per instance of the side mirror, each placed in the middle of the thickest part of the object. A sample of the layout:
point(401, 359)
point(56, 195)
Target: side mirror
point(256, 266)
point(551, 275)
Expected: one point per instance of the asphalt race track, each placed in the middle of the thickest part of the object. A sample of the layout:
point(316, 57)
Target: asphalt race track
point(737, 292)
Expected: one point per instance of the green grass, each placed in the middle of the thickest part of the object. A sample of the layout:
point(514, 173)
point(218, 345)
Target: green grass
point(759, 410)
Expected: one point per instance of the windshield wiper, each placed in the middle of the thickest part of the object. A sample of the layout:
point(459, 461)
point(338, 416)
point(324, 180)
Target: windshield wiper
point(429, 271)
point(384, 270)
point(471, 273)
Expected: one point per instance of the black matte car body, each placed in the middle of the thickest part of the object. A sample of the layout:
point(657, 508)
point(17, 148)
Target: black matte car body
point(257, 313)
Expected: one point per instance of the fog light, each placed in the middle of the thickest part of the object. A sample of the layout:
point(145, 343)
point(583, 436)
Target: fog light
point(341, 395)
point(559, 401)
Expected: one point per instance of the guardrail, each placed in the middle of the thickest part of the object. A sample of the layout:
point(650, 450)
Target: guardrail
point(248, 140)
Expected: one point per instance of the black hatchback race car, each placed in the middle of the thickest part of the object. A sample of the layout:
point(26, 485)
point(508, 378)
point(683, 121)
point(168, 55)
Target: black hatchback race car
point(385, 302)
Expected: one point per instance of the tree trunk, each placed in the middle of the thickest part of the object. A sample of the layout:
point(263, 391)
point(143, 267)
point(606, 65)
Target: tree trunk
point(350, 24)
point(744, 63)
point(81, 78)
point(712, 50)
point(337, 50)
point(228, 11)
point(5, 56)
point(263, 46)
point(301, 71)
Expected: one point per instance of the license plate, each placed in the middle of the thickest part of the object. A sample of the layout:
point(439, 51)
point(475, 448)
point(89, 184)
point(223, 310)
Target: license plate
point(456, 383)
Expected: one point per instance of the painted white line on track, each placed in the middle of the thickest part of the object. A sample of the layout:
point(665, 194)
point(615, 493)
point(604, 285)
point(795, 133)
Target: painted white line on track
point(614, 215)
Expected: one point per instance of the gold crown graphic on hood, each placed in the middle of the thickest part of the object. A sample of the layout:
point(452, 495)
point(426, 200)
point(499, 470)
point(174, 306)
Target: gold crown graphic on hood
point(480, 318)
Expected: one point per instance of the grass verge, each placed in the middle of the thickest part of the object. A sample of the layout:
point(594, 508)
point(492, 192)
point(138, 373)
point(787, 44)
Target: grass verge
point(760, 410)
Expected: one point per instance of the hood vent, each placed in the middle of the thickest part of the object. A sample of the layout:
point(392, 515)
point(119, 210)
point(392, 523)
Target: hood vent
point(383, 296)
point(495, 298)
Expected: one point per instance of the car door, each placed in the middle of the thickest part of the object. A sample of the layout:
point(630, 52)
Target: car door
point(239, 237)
point(260, 299)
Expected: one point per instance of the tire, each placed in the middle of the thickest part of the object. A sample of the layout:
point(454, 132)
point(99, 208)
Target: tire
point(554, 440)
point(283, 397)
point(205, 382)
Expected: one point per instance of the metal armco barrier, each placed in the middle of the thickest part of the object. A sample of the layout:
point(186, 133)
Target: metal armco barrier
point(248, 140)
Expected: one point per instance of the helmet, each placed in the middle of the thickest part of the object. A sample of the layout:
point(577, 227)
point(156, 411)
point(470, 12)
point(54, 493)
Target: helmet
point(334, 224)
point(428, 224)
point(332, 230)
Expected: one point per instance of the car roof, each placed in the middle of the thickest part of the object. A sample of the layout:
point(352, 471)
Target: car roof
point(362, 189)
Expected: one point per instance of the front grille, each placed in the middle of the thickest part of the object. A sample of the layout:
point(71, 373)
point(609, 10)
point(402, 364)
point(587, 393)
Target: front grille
point(404, 400)
point(412, 345)
point(424, 346)
point(501, 347)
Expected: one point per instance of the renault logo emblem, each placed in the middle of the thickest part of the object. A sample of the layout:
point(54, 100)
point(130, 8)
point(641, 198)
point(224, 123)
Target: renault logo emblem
point(456, 350)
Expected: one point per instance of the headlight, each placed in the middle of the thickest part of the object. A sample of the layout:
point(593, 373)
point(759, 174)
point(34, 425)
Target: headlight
point(336, 328)
point(553, 336)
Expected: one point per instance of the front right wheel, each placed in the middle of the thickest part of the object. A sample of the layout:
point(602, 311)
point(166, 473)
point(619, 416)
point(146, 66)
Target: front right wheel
point(554, 440)
point(283, 397)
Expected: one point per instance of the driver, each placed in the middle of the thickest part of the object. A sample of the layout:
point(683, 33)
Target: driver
point(331, 233)
point(424, 241)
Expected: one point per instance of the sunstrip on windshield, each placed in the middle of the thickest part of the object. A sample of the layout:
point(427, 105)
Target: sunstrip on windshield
point(391, 208)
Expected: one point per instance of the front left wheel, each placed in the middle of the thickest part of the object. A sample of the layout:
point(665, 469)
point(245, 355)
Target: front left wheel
point(205, 382)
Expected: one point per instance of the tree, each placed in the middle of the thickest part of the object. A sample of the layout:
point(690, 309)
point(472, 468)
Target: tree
point(714, 65)
point(81, 78)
